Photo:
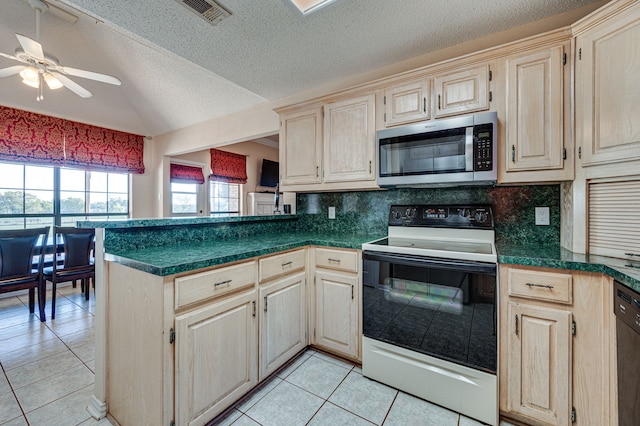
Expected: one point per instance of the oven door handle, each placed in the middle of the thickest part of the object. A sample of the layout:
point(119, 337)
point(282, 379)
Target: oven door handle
point(425, 261)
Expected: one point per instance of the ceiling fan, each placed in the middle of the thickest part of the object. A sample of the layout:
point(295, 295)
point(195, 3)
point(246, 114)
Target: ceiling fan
point(40, 67)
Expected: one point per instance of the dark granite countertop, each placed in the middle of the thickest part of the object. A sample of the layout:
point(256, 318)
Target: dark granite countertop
point(174, 259)
point(561, 258)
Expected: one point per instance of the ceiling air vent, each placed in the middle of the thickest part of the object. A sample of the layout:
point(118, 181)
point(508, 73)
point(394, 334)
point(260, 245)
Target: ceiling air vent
point(208, 10)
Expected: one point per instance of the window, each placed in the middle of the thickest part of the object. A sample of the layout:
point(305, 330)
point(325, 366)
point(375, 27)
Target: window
point(33, 196)
point(184, 198)
point(224, 199)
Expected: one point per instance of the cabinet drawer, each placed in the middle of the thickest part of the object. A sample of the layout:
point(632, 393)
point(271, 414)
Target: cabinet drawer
point(551, 286)
point(337, 259)
point(205, 285)
point(281, 264)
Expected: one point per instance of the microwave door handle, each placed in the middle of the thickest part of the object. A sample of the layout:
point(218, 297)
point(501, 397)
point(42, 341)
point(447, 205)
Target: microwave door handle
point(468, 149)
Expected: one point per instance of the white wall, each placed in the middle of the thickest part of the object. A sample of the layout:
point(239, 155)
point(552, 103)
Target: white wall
point(255, 153)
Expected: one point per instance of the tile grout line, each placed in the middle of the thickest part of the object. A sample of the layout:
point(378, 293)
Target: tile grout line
point(14, 395)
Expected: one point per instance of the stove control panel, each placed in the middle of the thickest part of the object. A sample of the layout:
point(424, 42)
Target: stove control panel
point(447, 216)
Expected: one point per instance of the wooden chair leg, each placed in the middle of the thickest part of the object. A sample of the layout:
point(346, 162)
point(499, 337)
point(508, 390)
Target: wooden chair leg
point(87, 288)
point(42, 299)
point(73, 284)
point(31, 299)
point(53, 301)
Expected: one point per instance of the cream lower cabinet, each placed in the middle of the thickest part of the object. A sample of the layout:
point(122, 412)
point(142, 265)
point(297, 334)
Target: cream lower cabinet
point(216, 357)
point(283, 325)
point(336, 301)
point(557, 365)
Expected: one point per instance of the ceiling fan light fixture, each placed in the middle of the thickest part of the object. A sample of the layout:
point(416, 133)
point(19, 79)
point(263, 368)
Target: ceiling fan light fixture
point(52, 82)
point(30, 77)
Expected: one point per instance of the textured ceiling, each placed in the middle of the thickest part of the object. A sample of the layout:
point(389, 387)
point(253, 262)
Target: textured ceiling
point(178, 70)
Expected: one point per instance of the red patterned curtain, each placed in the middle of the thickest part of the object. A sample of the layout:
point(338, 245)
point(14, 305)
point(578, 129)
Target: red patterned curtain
point(228, 167)
point(186, 174)
point(40, 139)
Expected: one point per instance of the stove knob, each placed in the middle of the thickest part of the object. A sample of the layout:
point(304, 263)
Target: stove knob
point(481, 217)
point(464, 212)
point(408, 213)
point(396, 214)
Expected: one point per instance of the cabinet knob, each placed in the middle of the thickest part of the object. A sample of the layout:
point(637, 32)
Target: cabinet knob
point(513, 153)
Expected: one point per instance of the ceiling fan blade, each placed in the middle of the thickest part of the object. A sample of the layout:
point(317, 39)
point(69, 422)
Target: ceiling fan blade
point(6, 72)
point(30, 46)
point(4, 55)
point(90, 75)
point(72, 85)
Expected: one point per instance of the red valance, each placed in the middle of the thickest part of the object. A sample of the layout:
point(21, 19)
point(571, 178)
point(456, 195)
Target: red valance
point(40, 139)
point(186, 174)
point(228, 167)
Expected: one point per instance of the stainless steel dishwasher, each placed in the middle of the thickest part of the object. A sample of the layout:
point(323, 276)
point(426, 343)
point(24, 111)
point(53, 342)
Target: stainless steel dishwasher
point(626, 306)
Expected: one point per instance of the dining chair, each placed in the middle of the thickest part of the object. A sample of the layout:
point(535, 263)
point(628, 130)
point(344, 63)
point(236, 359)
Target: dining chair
point(75, 260)
point(21, 264)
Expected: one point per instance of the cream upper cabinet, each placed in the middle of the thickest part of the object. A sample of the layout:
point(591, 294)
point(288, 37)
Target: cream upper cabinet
point(608, 84)
point(461, 91)
point(557, 330)
point(349, 140)
point(301, 147)
point(216, 357)
point(407, 102)
point(535, 115)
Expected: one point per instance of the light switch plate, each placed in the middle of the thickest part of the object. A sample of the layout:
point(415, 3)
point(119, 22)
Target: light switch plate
point(542, 215)
point(332, 212)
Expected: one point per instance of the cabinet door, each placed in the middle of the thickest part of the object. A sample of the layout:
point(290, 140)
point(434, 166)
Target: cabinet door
point(406, 103)
point(539, 370)
point(301, 147)
point(534, 121)
point(282, 322)
point(216, 357)
point(461, 92)
point(349, 140)
point(336, 319)
point(608, 89)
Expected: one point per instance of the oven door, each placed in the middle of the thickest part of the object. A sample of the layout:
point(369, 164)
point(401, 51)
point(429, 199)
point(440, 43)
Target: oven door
point(444, 308)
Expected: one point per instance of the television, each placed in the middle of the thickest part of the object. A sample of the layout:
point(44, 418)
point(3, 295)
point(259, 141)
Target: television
point(269, 173)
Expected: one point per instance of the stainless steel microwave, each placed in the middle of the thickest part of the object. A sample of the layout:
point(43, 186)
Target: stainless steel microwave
point(460, 150)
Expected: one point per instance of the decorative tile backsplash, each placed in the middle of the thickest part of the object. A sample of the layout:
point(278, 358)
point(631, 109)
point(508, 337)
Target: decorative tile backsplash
point(366, 212)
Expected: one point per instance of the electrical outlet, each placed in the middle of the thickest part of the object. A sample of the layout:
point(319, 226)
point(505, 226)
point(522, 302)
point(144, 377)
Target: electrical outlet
point(332, 212)
point(542, 215)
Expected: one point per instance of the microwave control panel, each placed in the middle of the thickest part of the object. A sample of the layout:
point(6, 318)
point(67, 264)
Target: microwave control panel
point(483, 147)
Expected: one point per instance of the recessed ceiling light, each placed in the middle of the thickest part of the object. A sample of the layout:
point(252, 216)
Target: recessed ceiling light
point(309, 6)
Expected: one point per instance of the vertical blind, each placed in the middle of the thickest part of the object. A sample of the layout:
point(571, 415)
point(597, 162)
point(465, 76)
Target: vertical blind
point(39, 139)
point(228, 167)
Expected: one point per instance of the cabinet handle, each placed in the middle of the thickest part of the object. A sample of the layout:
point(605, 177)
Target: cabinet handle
point(286, 264)
point(632, 254)
point(424, 104)
point(317, 171)
point(222, 283)
point(265, 303)
point(369, 166)
point(254, 308)
point(334, 260)
point(516, 325)
point(629, 265)
point(513, 153)
point(439, 102)
point(540, 285)
point(351, 291)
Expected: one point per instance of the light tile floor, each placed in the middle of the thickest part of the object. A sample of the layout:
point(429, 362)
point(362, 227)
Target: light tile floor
point(47, 379)
point(47, 368)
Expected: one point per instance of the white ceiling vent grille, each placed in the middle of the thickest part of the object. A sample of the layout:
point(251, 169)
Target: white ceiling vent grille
point(208, 10)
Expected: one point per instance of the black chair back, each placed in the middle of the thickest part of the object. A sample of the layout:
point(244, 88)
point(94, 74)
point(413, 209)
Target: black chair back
point(78, 244)
point(18, 248)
